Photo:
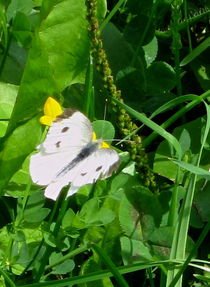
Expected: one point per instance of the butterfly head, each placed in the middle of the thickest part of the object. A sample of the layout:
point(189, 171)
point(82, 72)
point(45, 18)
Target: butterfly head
point(102, 144)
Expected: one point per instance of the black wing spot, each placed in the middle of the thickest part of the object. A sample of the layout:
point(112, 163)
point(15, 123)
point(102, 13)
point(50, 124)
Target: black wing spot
point(58, 144)
point(83, 174)
point(65, 129)
point(99, 168)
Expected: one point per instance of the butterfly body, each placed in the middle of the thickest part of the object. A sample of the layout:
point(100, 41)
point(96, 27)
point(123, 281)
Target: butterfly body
point(86, 151)
point(69, 155)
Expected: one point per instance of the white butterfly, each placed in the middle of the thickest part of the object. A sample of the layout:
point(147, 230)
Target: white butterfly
point(69, 155)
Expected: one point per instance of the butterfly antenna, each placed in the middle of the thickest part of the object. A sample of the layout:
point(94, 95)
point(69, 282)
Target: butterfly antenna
point(105, 109)
point(104, 118)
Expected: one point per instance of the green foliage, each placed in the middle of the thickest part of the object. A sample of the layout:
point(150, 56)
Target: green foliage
point(158, 52)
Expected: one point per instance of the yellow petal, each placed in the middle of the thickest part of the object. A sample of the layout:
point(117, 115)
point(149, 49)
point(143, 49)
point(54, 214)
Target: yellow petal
point(52, 108)
point(104, 145)
point(46, 120)
point(94, 138)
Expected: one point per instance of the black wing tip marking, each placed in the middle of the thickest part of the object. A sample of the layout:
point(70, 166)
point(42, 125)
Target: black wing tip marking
point(113, 168)
point(67, 113)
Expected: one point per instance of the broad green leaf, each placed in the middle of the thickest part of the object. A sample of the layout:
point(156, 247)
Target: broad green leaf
point(185, 141)
point(57, 58)
point(145, 32)
point(131, 82)
point(19, 6)
point(104, 130)
point(16, 148)
point(93, 215)
point(160, 77)
point(8, 93)
point(134, 250)
point(22, 29)
point(147, 205)
point(36, 217)
point(150, 51)
point(14, 64)
point(130, 220)
point(201, 203)
point(162, 165)
point(61, 268)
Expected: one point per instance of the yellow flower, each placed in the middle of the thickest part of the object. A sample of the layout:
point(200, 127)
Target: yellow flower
point(52, 109)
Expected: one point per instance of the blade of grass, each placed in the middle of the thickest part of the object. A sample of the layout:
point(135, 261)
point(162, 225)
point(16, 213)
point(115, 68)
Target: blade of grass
point(196, 52)
point(176, 116)
point(108, 262)
point(112, 13)
point(193, 169)
point(173, 103)
point(88, 91)
point(99, 275)
point(191, 254)
point(178, 249)
point(7, 278)
point(167, 106)
point(155, 127)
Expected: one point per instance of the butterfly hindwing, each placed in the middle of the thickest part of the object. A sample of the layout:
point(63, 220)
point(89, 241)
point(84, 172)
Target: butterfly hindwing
point(98, 165)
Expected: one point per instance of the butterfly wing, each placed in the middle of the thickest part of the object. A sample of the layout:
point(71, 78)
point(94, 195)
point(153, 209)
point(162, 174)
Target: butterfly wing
point(71, 129)
point(65, 138)
point(99, 165)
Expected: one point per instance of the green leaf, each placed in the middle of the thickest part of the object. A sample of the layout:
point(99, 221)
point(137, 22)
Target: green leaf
point(129, 219)
point(134, 250)
point(17, 147)
point(162, 165)
point(36, 217)
point(201, 203)
point(131, 82)
point(62, 268)
point(160, 77)
point(150, 51)
point(141, 35)
point(57, 58)
point(7, 100)
point(185, 141)
point(104, 130)
point(93, 215)
point(22, 29)
point(19, 6)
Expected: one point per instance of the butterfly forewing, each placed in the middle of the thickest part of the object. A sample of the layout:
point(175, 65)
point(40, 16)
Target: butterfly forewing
point(65, 138)
point(66, 133)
